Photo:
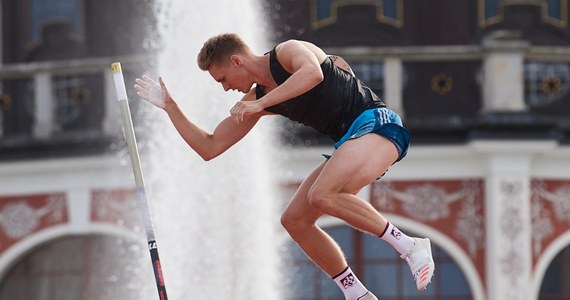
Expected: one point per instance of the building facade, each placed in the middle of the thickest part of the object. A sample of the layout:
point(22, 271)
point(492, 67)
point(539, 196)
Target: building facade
point(482, 85)
point(66, 189)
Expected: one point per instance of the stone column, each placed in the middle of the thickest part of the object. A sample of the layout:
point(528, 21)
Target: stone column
point(508, 215)
point(393, 85)
point(44, 112)
point(508, 227)
point(503, 75)
point(79, 208)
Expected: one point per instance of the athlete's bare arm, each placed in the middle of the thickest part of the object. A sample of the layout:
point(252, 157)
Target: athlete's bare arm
point(303, 61)
point(207, 145)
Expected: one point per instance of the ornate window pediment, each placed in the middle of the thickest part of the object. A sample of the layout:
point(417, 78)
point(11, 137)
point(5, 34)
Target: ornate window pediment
point(325, 12)
point(554, 12)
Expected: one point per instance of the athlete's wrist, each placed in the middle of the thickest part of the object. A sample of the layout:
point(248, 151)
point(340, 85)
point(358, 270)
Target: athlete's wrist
point(170, 105)
point(260, 104)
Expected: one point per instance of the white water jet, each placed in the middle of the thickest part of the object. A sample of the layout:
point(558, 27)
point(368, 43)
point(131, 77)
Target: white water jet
point(216, 221)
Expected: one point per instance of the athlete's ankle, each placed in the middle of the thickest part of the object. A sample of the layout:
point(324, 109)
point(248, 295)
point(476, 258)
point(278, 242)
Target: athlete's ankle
point(400, 241)
point(350, 285)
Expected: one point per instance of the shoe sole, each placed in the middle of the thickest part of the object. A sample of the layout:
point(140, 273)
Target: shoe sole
point(368, 296)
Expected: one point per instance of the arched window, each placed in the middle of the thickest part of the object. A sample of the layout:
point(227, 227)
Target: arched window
point(556, 282)
point(378, 266)
point(81, 267)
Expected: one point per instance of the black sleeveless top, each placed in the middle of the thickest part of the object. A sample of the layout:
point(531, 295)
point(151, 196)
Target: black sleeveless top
point(331, 106)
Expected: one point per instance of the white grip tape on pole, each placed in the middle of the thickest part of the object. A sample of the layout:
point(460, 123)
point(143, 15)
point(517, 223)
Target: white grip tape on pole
point(119, 81)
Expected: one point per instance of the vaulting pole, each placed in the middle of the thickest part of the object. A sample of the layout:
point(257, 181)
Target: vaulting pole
point(139, 179)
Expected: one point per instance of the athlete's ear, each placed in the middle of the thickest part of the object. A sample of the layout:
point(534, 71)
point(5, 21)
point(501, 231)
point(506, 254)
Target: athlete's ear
point(236, 59)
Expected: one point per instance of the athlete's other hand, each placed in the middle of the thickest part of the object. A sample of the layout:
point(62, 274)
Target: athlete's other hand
point(152, 91)
point(242, 109)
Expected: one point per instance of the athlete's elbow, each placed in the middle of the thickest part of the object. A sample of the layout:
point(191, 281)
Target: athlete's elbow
point(207, 156)
point(205, 153)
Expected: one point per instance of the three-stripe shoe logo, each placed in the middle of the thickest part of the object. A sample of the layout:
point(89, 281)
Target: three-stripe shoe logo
point(423, 274)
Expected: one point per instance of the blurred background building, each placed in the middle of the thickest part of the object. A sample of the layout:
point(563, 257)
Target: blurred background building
point(483, 86)
point(65, 194)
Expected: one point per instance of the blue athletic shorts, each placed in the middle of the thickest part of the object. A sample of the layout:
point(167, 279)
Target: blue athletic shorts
point(382, 121)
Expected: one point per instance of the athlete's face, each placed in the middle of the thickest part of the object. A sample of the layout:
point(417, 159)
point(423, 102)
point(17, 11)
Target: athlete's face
point(232, 75)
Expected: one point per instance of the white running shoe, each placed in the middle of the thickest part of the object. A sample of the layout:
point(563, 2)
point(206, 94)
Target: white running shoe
point(421, 262)
point(368, 296)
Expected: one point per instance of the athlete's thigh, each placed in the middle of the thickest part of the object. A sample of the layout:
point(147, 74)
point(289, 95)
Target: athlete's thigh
point(357, 163)
point(299, 207)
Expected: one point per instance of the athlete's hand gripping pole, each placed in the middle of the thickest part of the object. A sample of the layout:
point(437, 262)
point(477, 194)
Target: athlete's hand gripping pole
point(139, 180)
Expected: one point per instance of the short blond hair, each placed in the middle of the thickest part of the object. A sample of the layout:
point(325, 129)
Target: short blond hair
point(218, 48)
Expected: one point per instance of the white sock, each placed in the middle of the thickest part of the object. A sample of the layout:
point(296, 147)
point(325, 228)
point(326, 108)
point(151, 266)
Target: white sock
point(350, 285)
point(401, 242)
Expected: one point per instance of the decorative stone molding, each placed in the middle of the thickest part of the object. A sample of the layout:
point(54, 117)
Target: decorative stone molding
point(454, 207)
point(512, 227)
point(550, 212)
point(117, 207)
point(21, 216)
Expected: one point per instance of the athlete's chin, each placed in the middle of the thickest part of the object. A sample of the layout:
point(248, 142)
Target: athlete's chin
point(246, 89)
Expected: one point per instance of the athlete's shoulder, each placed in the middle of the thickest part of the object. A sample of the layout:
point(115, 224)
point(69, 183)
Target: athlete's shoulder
point(292, 49)
point(290, 45)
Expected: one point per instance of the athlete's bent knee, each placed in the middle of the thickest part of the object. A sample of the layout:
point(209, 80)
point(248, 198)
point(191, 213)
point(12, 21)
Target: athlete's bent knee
point(293, 224)
point(321, 200)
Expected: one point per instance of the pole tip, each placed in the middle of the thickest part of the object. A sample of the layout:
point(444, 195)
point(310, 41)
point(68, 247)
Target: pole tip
point(116, 67)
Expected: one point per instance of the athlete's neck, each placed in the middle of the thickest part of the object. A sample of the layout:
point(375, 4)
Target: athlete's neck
point(258, 67)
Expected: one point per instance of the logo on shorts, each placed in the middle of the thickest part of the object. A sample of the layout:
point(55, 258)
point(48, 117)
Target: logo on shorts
point(396, 233)
point(348, 281)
